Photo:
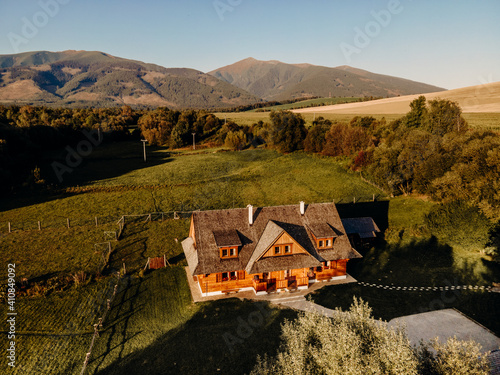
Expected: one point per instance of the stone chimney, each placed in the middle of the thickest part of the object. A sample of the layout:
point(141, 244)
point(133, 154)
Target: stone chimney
point(250, 214)
point(302, 208)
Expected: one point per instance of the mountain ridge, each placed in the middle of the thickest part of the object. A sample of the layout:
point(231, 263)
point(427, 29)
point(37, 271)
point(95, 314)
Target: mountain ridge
point(94, 78)
point(275, 80)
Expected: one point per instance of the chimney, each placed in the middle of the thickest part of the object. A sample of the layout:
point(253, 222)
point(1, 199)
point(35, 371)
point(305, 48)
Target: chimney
point(250, 214)
point(302, 208)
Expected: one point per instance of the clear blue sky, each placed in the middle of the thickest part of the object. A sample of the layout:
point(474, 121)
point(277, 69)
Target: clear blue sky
point(448, 43)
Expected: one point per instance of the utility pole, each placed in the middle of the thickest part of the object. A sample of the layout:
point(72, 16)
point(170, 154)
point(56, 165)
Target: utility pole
point(194, 144)
point(144, 147)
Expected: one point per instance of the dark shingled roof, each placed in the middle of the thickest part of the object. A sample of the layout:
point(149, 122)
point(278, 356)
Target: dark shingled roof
point(365, 227)
point(322, 230)
point(228, 237)
point(269, 223)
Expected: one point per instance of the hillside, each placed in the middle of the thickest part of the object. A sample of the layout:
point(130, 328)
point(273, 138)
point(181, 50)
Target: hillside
point(472, 99)
point(83, 78)
point(274, 80)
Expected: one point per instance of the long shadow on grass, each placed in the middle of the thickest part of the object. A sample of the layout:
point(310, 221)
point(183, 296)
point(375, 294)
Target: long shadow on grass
point(108, 160)
point(127, 304)
point(223, 337)
point(424, 262)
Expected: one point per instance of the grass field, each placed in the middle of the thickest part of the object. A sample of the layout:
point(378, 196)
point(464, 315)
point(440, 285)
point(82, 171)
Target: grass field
point(153, 327)
point(308, 103)
point(488, 121)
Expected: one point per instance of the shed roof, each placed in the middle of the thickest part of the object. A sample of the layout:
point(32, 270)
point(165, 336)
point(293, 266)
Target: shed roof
point(365, 227)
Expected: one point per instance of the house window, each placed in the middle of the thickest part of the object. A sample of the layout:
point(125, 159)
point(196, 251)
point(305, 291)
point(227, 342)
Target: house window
point(229, 252)
point(326, 243)
point(281, 250)
point(233, 275)
point(225, 276)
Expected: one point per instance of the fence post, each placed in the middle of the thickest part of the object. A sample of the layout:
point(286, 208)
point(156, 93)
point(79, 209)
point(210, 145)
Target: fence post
point(67, 221)
point(96, 221)
point(162, 216)
point(374, 197)
point(39, 225)
point(9, 227)
point(354, 200)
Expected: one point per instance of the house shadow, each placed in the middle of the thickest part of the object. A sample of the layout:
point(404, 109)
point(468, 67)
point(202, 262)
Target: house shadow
point(223, 337)
point(377, 210)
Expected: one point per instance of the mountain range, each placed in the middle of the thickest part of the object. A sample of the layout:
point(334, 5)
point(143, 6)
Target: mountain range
point(92, 78)
point(274, 80)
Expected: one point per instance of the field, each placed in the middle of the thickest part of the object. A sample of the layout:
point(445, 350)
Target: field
point(487, 121)
point(307, 103)
point(180, 181)
point(152, 326)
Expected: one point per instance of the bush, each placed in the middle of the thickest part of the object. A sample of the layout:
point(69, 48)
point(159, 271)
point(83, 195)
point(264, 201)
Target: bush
point(460, 224)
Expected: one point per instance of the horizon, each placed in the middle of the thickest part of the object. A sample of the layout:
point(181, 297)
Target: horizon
point(449, 45)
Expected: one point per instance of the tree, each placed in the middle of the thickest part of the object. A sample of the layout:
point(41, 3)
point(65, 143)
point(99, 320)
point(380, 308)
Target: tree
point(445, 116)
point(235, 140)
point(351, 342)
point(180, 134)
point(315, 139)
point(418, 113)
point(287, 131)
point(354, 343)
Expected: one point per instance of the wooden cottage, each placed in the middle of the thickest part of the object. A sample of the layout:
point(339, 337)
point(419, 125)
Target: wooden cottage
point(267, 249)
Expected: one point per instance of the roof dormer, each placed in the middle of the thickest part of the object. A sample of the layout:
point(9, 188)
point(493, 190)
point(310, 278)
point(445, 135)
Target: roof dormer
point(228, 242)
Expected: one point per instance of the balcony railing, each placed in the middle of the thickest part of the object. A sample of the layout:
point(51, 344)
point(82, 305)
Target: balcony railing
point(259, 285)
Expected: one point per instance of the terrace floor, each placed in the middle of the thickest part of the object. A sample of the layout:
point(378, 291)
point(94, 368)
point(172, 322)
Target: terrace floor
point(271, 297)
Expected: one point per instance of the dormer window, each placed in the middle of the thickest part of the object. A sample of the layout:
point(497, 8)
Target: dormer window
point(228, 241)
point(325, 243)
point(228, 252)
point(288, 249)
point(323, 234)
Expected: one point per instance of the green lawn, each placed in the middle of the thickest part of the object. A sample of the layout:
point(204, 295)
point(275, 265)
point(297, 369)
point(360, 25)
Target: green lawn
point(152, 327)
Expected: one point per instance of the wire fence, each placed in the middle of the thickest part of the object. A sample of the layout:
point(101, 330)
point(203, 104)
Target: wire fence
point(95, 221)
point(98, 325)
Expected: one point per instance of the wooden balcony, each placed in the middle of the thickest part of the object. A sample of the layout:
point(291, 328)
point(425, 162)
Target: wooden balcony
point(260, 285)
point(272, 285)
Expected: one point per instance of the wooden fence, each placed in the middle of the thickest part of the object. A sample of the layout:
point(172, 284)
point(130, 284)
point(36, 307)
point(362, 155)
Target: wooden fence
point(96, 221)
